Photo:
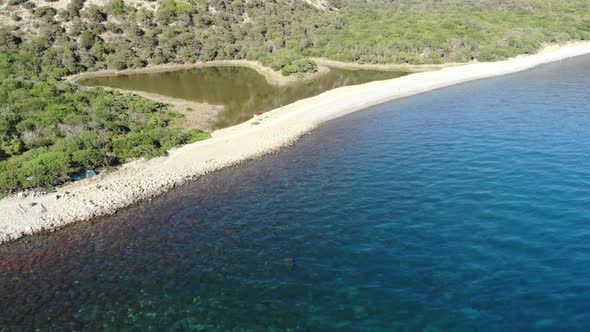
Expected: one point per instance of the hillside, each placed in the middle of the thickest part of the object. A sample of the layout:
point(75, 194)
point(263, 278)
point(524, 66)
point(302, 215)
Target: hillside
point(282, 34)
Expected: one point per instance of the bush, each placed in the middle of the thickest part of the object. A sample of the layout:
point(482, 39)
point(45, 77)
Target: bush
point(87, 39)
point(50, 130)
point(49, 168)
point(74, 7)
point(46, 11)
point(15, 2)
point(116, 7)
point(95, 14)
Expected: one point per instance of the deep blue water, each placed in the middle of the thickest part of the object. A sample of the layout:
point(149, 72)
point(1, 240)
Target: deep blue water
point(463, 209)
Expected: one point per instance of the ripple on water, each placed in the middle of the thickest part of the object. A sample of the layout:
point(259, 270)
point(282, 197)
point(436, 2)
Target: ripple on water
point(462, 209)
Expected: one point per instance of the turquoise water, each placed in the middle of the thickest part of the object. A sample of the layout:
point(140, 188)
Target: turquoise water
point(464, 209)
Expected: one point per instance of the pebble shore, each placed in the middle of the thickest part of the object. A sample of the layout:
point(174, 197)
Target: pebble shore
point(26, 214)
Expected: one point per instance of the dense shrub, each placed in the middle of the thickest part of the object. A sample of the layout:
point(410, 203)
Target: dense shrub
point(50, 130)
point(283, 34)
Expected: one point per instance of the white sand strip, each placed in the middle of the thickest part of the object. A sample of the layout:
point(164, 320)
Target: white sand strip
point(139, 180)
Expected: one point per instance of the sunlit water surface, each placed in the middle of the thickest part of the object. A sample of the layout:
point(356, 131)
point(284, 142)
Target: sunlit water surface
point(463, 209)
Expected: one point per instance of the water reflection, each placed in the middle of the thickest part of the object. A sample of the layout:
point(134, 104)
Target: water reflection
point(242, 91)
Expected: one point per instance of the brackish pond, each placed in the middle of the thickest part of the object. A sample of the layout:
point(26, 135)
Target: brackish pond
point(242, 91)
point(462, 209)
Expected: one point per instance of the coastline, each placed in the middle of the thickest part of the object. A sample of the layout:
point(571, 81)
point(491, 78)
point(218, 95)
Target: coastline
point(141, 179)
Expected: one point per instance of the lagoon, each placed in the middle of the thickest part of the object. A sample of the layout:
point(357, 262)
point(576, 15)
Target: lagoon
point(461, 209)
point(241, 91)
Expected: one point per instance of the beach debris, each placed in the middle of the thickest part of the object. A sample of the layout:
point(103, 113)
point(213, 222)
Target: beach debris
point(43, 207)
point(28, 230)
point(22, 208)
point(257, 118)
point(89, 173)
point(64, 195)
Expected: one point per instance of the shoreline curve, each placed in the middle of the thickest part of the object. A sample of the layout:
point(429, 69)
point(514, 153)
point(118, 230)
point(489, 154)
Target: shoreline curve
point(272, 77)
point(144, 179)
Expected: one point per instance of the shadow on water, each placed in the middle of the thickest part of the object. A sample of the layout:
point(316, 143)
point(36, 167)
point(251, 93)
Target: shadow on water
point(242, 91)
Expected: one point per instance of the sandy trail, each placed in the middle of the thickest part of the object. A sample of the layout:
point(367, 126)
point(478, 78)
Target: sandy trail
point(141, 179)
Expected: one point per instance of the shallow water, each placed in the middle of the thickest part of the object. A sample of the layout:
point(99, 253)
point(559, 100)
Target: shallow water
point(463, 209)
point(242, 91)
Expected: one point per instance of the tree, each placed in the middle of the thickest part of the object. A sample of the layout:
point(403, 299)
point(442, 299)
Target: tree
point(74, 7)
point(117, 60)
point(166, 12)
point(95, 14)
point(46, 12)
point(116, 7)
point(9, 42)
point(12, 147)
point(87, 39)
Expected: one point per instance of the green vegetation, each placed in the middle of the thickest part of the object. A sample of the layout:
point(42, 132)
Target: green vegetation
point(284, 34)
point(450, 31)
point(50, 130)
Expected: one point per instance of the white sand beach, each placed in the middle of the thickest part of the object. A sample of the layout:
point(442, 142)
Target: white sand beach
point(21, 215)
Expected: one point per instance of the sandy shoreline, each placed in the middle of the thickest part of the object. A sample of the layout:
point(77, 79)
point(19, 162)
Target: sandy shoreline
point(405, 67)
point(141, 179)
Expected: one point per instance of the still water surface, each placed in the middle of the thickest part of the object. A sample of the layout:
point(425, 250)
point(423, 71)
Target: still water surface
point(242, 91)
point(463, 209)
